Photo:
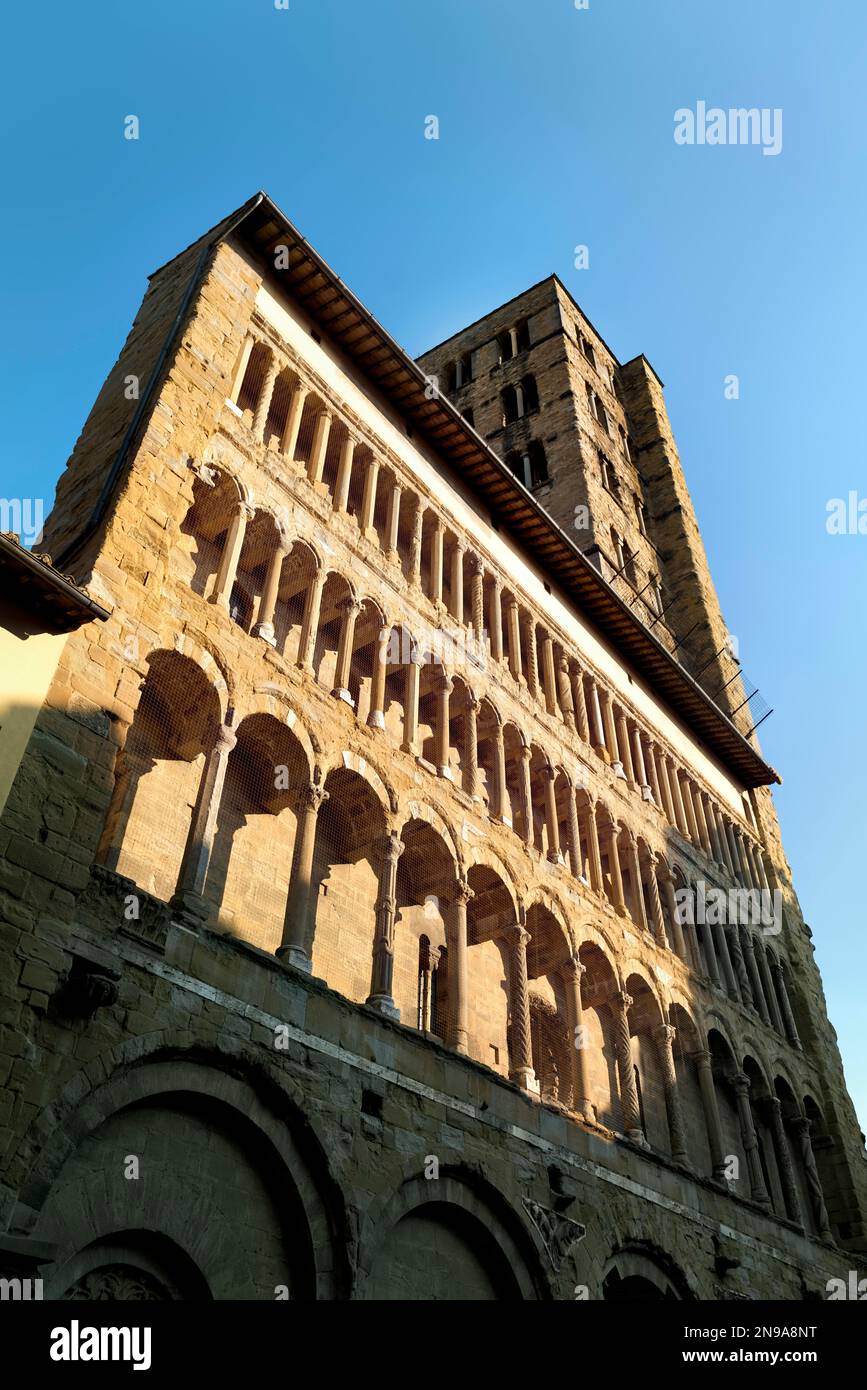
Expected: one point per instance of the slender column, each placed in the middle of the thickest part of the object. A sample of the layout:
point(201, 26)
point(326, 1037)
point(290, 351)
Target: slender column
point(477, 596)
point(713, 826)
point(785, 1002)
point(564, 687)
point(496, 620)
point(640, 917)
point(527, 792)
point(394, 521)
point(436, 562)
point(504, 810)
point(575, 862)
point(582, 722)
point(729, 976)
point(610, 735)
point(293, 947)
point(289, 438)
point(193, 872)
point(661, 763)
point(442, 742)
point(758, 1190)
point(376, 716)
point(471, 745)
point(382, 973)
point(623, 746)
point(664, 1036)
point(368, 500)
point(620, 1006)
point(321, 436)
point(456, 606)
point(801, 1126)
point(785, 1166)
point(755, 979)
point(702, 1061)
point(704, 834)
point(410, 716)
point(457, 1032)
point(614, 869)
point(532, 655)
point(264, 624)
point(677, 798)
point(638, 764)
point(676, 925)
point(733, 851)
point(415, 544)
point(657, 913)
point(352, 609)
point(761, 872)
point(241, 368)
point(310, 622)
point(550, 677)
point(232, 547)
point(747, 871)
point(597, 882)
point(513, 341)
point(734, 939)
point(773, 1006)
point(514, 634)
point(429, 963)
point(597, 733)
point(344, 474)
point(260, 415)
point(571, 974)
point(521, 1060)
point(691, 819)
point(551, 825)
point(710, 957)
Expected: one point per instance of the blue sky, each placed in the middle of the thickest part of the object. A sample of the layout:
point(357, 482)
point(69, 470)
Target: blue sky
point(556, 128)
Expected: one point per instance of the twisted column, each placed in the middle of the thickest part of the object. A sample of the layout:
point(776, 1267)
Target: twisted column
point(527, 793)
point(263, 405)
point(704, 1067)
point(785, 1002)
point(521, 1069)
point(621, 1005)
point(785, 1166)
point(758, 1190)
point(801, 1126)
point(382, 974)
point(471, 745)
point(664, 1036)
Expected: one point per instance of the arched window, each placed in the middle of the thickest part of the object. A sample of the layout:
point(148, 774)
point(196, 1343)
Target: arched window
point(531, 394)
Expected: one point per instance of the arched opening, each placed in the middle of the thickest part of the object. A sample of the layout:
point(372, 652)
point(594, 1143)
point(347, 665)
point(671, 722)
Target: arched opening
point(598, 987)
point(685, 1046)
point(548, 952)
point(216, 499)
point(426, 876)
point(645, 1019)
point(490, 912)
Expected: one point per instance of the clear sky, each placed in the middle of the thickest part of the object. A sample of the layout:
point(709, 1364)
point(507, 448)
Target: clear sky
point(556, 129)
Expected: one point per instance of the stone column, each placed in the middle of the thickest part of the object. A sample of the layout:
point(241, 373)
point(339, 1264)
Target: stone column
point(785, 1166)
point(477, 597)
point(621, 1005)
point(241, 368)
point(801, 1126)
point(785, 1003)
point(635, 866)
point(551, 825)
point(260, 415)
point(571, 974)
point(677, 798)
point(410, 716)
point(710, 957)
point(310, 622)
point(698, 805)
point(716, 844)
point(550, 677)
point(614, 870)
point(429, 962)
point(442, 742)
point(597, 881)
point(264, 624)
point(504, 810)
point(747, 869)
point(611, 736)
point(664, 1036)
point(737, 955)
point(638, 764)
point(724, 844)
point(415, 543)
point(755, 978)
point(344, 474)
point(770, 996)
point(457, 1034)
point(368, 500)
point(352, 609)
point(597, 733)
point(623, 746)
point(657, 913)
point(232, 547)
point(289, 438)
point(393, 524)
point(532, 655)
point(733, 851)
point(382, 974)
point(187, 898)
point(758, 1190)
point(436, 562)
point(321, 436)
point(582, 722)
point(376, 716)
point(293, 947)
point(564, 687)
point(471, 745)
point(673, 912)
point(527, 792)
point(456, 604)
point(702, 1061)
point(691, 819)
point(729, 976)
point(661, 763)
point(521, 1060)
point(496, 620)
point(575, 861)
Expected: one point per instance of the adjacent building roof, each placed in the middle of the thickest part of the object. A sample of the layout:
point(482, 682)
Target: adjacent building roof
point(30, 580)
